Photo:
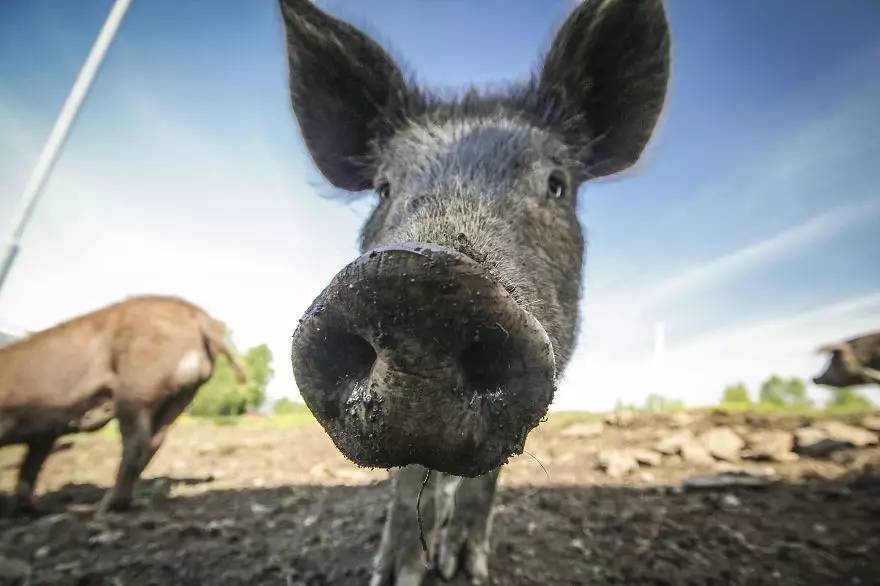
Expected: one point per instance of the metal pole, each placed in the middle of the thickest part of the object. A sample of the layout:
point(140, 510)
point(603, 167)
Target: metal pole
point(660, 357)
point(49, 155)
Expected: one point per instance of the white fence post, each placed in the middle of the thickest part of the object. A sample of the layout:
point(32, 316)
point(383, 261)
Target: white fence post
point(49, 154)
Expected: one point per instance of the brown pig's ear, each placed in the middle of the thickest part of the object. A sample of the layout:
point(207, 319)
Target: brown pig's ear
point(345, 88)
point(606, 75)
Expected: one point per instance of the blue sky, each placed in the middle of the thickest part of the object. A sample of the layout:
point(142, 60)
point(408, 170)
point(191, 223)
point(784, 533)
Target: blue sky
point(749, 229)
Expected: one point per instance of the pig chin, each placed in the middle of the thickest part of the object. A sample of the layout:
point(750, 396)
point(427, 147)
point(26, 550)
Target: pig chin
point(415, 354)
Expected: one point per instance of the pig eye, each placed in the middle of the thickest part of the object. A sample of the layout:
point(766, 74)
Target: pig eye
point(384, 190)
point(556, 187)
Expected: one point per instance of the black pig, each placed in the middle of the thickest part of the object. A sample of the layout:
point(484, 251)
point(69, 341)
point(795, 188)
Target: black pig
point(853, 362)
point(440, 347)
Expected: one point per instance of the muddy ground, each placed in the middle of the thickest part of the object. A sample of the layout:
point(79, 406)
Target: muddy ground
point(258, 503)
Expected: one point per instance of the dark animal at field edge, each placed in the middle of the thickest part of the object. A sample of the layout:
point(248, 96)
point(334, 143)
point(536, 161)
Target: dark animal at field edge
point(440, 347)
point(853, 362)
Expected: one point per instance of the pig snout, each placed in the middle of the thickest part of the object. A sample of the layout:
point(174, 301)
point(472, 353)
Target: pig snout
point(415, 354)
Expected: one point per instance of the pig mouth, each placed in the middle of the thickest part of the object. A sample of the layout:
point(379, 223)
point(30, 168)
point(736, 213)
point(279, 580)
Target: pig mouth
point(415, 354)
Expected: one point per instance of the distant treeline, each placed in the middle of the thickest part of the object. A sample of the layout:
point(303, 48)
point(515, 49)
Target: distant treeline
point(776, 394)
point(222, 396)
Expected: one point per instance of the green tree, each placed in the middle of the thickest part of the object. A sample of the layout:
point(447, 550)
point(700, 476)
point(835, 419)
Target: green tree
point(656, 402)
point(736, 394)
point(258, 364)
point(285, 406)
point(221, 395)
point(849, 398)
point(780, 392)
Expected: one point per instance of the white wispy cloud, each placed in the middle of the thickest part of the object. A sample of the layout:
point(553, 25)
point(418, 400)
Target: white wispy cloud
point(618, 322)
point(614, 360)
point(787, 241)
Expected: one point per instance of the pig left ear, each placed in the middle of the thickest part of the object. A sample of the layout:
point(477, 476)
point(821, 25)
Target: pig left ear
point(346, 91)
point(605, 77)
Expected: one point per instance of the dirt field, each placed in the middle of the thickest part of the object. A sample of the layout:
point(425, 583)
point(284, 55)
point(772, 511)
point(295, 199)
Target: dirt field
point(258, 503)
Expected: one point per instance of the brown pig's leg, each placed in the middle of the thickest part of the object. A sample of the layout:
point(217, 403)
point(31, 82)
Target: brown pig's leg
point(136, 453)
point(38, 450)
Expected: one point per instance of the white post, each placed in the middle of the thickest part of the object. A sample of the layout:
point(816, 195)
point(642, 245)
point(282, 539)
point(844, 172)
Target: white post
point(660, 357)
point(49, 154)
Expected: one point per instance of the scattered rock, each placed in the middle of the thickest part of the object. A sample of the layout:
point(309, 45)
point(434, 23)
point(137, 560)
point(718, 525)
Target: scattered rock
point(856, 436)
point(106, 538)
point(617, 463)
point(647, 457)
point(578, 545)
point(770, 445)
point(814, 442)
point(730, 468)
point(13, 570)
point(218, 525)
point(723, 443)
point(727, 467)
point(681, 419)
point(674, 461)
point(96, 526)
point(622, 418)
point(696, 454)
point(583, 430)
point(352, 476)
point(822, 439)
point(824, 448)
point(260, 509)
point(728, 479)
point(864, 461)
point(730, 501)
point(742, 430)
point(672, 443)
point(81, 508)
point(54, 519)
point(67, 567)
point(320, 470)
point(310, 520)
point(871, 422)
point(566, 457)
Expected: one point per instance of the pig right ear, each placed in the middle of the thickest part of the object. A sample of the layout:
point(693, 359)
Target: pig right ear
point(346, 91)
point(605, 77)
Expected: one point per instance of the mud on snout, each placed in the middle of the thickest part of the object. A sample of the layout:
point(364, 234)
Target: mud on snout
point(415, 354)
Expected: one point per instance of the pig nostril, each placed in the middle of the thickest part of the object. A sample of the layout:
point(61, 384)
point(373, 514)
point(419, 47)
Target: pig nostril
point(485, 363)
point(349, 357)
point(357, 356)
